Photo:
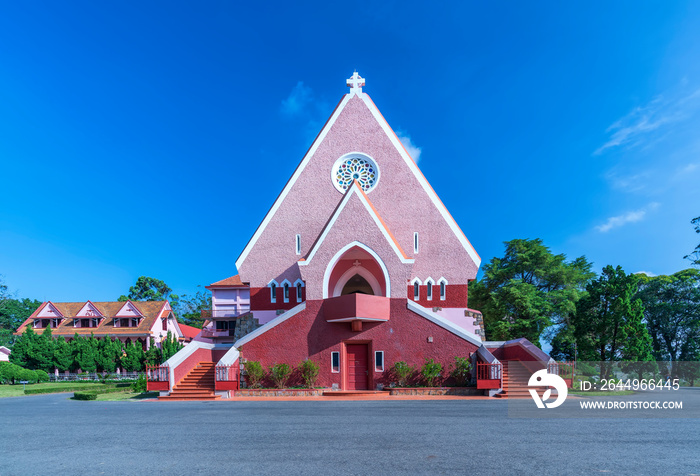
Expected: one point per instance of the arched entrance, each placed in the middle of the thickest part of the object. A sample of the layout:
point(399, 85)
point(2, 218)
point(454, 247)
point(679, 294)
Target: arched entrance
point(356, 269)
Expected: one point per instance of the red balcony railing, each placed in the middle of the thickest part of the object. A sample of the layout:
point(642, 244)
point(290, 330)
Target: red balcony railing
point(563, 369)
point(226, 373)
point(489, 376)
point(158, 373)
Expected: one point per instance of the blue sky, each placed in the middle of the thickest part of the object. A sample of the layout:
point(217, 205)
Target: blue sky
point(146, 138)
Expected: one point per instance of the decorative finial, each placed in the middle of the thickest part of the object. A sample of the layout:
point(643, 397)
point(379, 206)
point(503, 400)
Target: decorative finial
point(355, 82)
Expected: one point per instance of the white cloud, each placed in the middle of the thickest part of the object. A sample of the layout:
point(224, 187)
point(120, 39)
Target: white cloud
point(688, 168)
point(643, 123)
point(298, 101)
point(629, 217)
point(413, 150)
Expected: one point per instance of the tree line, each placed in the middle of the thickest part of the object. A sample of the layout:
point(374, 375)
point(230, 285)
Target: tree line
point(87, 353)
point(615, 316)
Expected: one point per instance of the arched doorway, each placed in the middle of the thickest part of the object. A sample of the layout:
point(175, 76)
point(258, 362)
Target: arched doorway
point(356, 269)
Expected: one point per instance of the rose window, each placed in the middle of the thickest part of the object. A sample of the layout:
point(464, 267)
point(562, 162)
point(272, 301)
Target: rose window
point(355, 167)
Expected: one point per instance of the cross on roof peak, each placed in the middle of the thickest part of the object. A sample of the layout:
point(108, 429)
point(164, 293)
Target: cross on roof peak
point(355, 82)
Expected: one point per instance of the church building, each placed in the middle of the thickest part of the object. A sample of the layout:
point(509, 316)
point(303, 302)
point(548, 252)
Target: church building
point(357, 265)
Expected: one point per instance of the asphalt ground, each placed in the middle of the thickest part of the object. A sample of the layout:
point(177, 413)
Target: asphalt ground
point(51, 434)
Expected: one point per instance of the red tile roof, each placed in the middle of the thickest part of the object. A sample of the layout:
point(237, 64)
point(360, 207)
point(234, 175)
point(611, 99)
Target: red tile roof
point(229, 282)
point(189, 332)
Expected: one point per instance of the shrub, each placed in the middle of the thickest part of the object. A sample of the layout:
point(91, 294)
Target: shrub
point(139, 386)
point(85, 396)
point(309, 372)
point(403, 373)
point(462, 371)
point(280, 373)
point(254, 372)
point(431, 372)
point(9, 372)
point(41, 376)
point(28, 375)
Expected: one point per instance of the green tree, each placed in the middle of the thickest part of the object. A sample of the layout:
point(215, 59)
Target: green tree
point(42, 352)
point(528, 290)
point(694, 257)
point(134, 358)
point(608, 323)
point(62, 355)
point(109, 354)
point(149, 289)
point(188, 308)
point(85, 352)
point(170, 346)
point(23, 348)
point(154, 356)
point(672, 315)
point(13, 312)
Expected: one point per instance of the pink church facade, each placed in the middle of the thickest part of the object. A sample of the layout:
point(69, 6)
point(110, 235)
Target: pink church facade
point(357, 265)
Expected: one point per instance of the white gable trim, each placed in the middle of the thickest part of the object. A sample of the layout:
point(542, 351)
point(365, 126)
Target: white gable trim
point(444, 323)
point(273, 323)
point(365, 273)
point(336, 257)
point(421, 178)
point(49, 311)
point(413, 281)
point(131, 305)
point(83, 310)
point(355, 190)
point(292, 181)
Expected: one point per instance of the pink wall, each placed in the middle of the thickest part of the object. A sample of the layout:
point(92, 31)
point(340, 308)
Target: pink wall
point(398, 197)
point(368, 263)
point(455, 295)
point(403, 337)
point(199, 355)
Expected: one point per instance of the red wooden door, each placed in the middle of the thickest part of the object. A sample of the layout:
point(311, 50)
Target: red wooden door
point(358, 369)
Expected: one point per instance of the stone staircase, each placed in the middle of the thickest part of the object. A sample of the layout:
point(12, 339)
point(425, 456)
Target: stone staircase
point(515, 378)
point(199, 384)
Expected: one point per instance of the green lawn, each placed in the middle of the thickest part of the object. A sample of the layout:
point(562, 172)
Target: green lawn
point(18, 389)
point(118, 397)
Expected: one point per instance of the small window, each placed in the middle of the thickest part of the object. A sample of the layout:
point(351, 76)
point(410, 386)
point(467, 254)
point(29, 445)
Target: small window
point(379, 361)
point(415, 242)
point(442, 290)
point(416, 291)
point(298, 292)
point(335, 362)
point(273, 292)
point(429, 285)
point(286, 292)
point(165, 324)
point(298, 243)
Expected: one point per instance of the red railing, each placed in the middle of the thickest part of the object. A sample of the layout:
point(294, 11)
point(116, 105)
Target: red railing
point(226, 373)
point(158, 373)
point(485, 371)
point(563, 369)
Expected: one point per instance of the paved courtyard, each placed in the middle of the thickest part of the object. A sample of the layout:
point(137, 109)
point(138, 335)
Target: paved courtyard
point(51, 434)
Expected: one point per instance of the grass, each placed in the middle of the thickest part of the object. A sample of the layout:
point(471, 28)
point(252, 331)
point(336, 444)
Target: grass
point(120, 397)
point(17, 390)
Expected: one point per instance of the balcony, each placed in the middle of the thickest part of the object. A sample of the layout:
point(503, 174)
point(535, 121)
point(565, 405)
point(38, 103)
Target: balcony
point(214, 333)
point(356, 308)
point(228, 314)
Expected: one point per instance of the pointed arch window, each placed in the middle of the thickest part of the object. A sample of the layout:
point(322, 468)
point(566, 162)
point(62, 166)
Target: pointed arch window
point(298, 285)
point(416, 288)
point(429, 291)
point(443, 288)
point(273, 291)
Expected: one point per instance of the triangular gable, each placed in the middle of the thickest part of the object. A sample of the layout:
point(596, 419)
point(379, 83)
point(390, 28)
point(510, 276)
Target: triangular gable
point(49, 311)
point(356, 190)
point(89, 310)
point(396, 143)
point(129, 309)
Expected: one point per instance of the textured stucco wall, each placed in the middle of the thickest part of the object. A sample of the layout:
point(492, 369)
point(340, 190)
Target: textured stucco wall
point(404, 337)
point(398, 197)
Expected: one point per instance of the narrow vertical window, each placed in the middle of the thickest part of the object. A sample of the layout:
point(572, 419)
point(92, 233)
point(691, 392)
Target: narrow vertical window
point(286, 292)
point(429, 285)
point(379, 361)
point(335, 362)
point(442, 290)
point(416, 291)
point(298, 244)
point(415, 242)
point(273, 292)
point(298, 292)
point(165, 324)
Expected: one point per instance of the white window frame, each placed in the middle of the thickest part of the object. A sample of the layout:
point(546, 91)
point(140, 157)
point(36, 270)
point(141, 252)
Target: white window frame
point(298, 244)
point(285, 287)
point(442, 282)
point(415, 281)
point(416, 244)
point(376, 353)
point(298, 286)
point(429, 283)
point(332, 368)
point(273, 285)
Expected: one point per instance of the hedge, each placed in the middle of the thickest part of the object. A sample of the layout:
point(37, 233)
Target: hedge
point(60, 389)
point(85, 396)
point(92, 394)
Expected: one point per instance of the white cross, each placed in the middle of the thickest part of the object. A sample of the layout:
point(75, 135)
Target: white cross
point(357, 263)
point(355, 83)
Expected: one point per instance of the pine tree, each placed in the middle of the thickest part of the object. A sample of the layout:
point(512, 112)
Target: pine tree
point(170, 346)
point(42, 352)
point(133, 361)
point(62, 355)
point(85, 352)
point(21, 351)
point(154, 356)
